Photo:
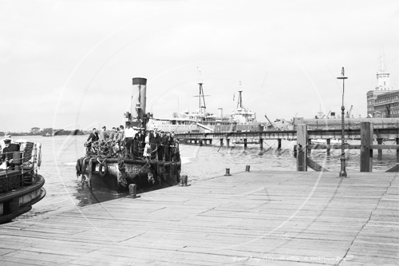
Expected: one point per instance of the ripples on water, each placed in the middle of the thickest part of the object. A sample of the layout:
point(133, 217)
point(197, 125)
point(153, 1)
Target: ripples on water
point(63, 190)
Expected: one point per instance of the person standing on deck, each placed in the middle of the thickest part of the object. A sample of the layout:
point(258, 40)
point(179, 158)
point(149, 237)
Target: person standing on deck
point(154, 142)
point(93, 137)
point(8, 151)
point(112, 134)
point(161, 146)
point(138, 143)
point(119, 136)
point(129, 135)
point(103, 134)
point(116, 135)
point(167, 142)
point(175, 153)
point(147, 148)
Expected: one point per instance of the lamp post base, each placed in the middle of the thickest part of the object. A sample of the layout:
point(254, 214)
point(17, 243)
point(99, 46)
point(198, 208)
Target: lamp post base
point(343, 173)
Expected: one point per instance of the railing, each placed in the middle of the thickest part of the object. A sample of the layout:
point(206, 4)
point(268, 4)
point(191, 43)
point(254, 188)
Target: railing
point(367, 134)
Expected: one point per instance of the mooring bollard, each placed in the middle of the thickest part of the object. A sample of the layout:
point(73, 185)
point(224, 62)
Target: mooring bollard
point(247, 168)
point(184, 179)
point(133, 190)
point(227, 172)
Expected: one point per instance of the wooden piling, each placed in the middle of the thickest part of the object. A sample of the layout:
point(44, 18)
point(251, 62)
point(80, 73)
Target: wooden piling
point(397, 150)
point(328, 149)
point(200, 142)
point(302, 137)
point(221, 142)
point(366, 153)
point(379, 142)
point(245, 144)
point(309, 143)
point(261, 144)
point(228, 142)
point(279, 144)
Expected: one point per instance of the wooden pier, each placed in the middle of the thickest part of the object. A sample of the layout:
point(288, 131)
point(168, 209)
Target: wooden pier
point(249, 218)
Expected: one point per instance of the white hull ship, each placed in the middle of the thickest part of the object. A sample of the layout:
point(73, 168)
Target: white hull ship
point(241, 119)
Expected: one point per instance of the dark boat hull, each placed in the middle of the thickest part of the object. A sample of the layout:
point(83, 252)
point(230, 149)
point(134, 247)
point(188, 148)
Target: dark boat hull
point(20, 199)
point(146, 175)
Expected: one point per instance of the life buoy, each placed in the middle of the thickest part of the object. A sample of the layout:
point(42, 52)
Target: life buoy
point(103, 168)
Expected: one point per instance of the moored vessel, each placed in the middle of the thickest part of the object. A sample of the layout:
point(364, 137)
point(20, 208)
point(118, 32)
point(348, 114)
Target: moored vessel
point(20, 184)
point(116, 164)
point(201, 121)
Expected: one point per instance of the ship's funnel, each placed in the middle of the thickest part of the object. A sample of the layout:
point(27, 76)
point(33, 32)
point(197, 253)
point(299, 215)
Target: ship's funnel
point(220, 112)
point(139, 97)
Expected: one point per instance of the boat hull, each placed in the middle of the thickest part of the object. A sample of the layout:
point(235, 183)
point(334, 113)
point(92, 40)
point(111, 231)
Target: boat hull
point(146, 175)
point(20, 199)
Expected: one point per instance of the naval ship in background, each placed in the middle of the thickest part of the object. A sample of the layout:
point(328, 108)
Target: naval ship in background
point(240, 120)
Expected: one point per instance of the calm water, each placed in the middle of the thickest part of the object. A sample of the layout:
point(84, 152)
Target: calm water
point(63, 190)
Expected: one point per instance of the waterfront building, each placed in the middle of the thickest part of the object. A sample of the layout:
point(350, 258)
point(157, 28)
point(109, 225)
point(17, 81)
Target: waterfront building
point(35, 130)
point(383, 101)
point(387, 104)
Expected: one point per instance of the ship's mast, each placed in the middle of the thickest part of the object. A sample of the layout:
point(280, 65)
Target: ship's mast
point(201, 99)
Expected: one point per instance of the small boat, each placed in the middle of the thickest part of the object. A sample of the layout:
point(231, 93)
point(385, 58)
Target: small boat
point(117, 170)
point(20, 184)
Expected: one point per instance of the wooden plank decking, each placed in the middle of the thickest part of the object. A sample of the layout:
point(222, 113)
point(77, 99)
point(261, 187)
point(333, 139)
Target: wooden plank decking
point(251, 218)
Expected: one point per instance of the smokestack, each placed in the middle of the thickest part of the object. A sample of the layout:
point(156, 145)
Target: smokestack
point(220, 112)
point(139, 97)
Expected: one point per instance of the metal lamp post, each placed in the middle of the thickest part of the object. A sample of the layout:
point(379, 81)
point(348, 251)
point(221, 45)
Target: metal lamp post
point(342, 173)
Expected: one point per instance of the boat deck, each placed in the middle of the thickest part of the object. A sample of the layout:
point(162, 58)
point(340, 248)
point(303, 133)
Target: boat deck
point(249, 218)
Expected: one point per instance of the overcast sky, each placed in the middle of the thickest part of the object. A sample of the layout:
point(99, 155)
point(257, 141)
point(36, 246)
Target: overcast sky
point(70, 64)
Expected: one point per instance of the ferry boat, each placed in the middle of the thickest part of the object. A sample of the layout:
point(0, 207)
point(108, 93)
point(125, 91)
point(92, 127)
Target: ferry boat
point(241, 119)
point(20, 184)
point(117, 171)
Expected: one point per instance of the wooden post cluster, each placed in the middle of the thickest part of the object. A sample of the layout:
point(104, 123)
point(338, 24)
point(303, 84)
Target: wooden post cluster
point(302, 139)
point(366, 152)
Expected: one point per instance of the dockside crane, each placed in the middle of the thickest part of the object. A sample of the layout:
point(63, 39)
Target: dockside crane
point(269, 121)
point(348, 113)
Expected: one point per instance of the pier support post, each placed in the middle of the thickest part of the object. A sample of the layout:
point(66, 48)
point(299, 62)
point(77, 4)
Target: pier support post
point(228, 142)
point(261, 144)
point(379, 142)
point(302, 137)
point(366, 153)
point(278, 144)
point(397, 150)
point(328, 149)
point(210, 142)
point(245, 144)
point(200, 142)
point(221, 142)
point(309, 143)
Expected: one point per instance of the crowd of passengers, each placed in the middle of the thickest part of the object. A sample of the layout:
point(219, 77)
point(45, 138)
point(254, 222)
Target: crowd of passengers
point(136, 143)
